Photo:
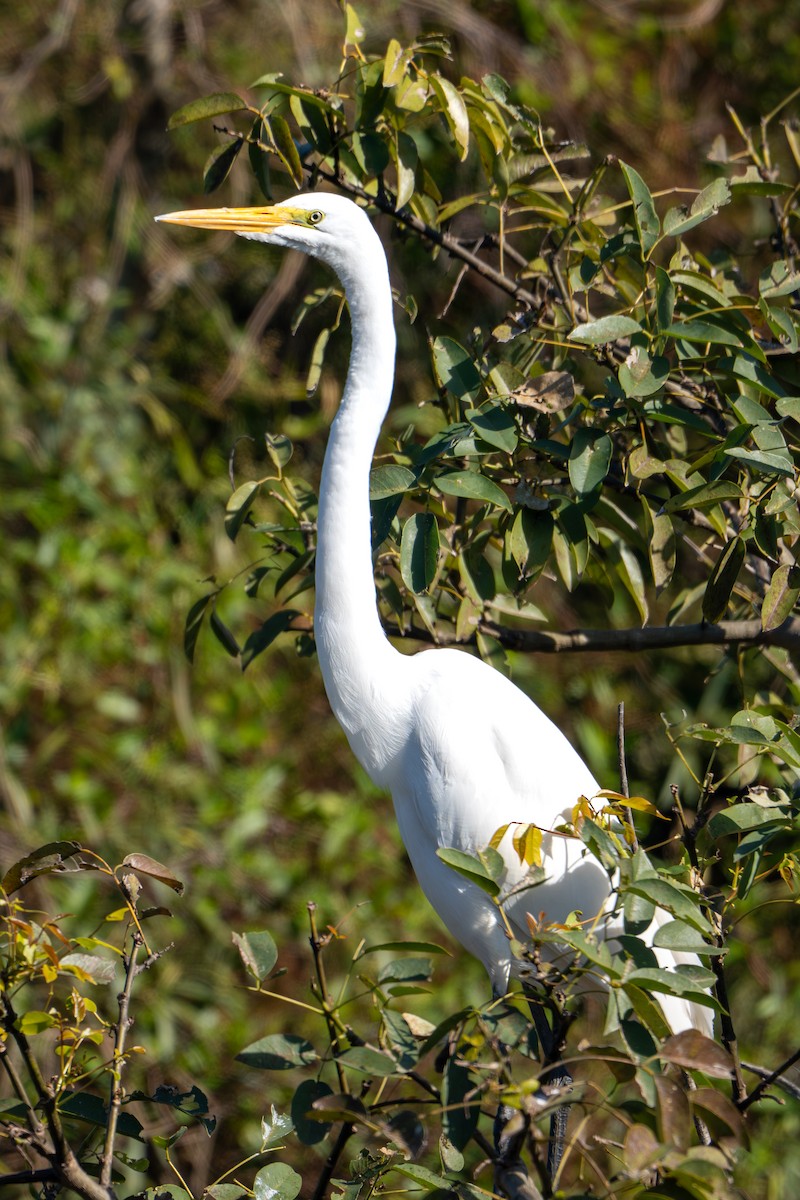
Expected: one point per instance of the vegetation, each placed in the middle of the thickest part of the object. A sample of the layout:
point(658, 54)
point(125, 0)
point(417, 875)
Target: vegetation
point(596, 430)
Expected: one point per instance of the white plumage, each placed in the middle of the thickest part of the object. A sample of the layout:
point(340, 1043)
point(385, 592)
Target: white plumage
point(461, 749)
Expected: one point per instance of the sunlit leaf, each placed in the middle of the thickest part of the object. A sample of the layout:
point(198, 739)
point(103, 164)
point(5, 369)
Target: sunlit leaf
point(781, 596)
point(589, 460)
point(142, 864)
point(605, 329)
point(208, 106)
point(471, 485)
point(277, 1181)
point(645, 216)
point(471, 868)
point(258, 952)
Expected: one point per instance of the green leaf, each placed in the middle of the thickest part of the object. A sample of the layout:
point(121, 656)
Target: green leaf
point(665, 299)
point(265, 635)
point(427, 1180)
point(406, 156)
point(780, 278)
point(238, 506)
point(194, 621)
point(460, 1103)
point(33, 1022)
point(470, 485)
point(471, 868)
point(677, 935)
point(223, 634)
point(645, 216)
point(455, 370)
point(218, 164)
point(395, 63)
point(54, 856)
point(641, 375)
point(589, 460)
point(419, 551)
point(661, 550)
point(703, 332)
point(309, 1130)
point(781, 596)
point(207, 106)
point(710, 200)
point(90, 1108)
point(275, 1128)
point(530, 540)
point(390, 480)
point(494, 424)
point(406, 970)
point(764, 461)
point(674, 981)
point(272, 81)
point(682, 902)
point(286, 149)
point(781, 324)
point(368, 1062)
point(625, 562)
point(278, 1052)
point(259, 159)
point(277, 1181)
point(706, 495)
point(279, 448)
point(605, 329)
point(317, 361)
point(454, 110)
point(789, 406)
point(97, 970)
point(722, 579)
point(258, 952)
point(739, 818)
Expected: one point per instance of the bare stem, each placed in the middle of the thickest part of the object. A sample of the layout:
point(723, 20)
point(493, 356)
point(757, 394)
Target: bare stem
point(767, 1081)
point(324, 995)
point(623, 771)
point(124, 1022)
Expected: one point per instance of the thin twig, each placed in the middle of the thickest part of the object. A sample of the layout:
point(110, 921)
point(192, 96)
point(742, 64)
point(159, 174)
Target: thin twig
point(324, 995)
point(124, 1023)
point(769, 1079)
point(623, 773)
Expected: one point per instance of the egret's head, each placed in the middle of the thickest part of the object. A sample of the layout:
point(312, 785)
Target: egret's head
point(328, 226)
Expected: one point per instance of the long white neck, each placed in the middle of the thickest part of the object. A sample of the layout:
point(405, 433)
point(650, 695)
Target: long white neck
point(356, 659)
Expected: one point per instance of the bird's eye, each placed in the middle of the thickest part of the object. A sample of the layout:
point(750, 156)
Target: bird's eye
point(315, 217)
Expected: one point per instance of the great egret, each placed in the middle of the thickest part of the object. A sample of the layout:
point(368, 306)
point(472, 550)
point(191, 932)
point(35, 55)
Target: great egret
point(461, 749)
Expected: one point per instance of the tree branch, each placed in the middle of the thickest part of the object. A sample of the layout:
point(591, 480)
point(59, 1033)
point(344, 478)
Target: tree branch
point(124, 1023)
point(768, 1078)
point(651, 637)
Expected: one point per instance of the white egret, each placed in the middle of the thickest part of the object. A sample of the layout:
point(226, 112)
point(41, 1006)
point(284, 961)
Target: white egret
point(461, 749)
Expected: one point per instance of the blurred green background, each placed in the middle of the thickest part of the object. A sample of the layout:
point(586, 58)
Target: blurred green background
point(134, 356)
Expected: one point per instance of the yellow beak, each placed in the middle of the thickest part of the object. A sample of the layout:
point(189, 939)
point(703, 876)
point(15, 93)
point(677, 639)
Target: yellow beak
point(234, 220)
